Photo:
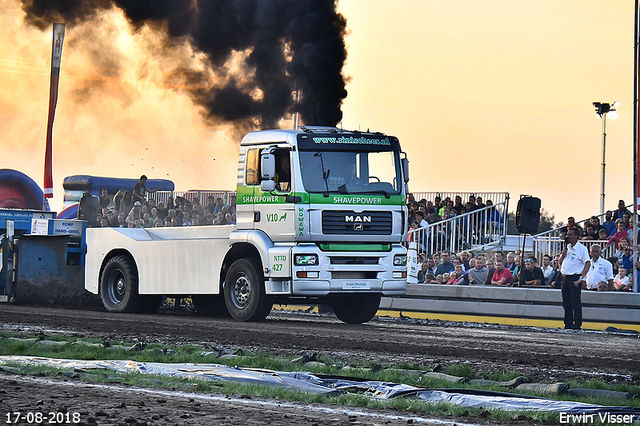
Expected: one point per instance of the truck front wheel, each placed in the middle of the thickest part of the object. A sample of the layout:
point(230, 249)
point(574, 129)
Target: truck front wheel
point(244, 292)
point(119, 285)
point(356, 309)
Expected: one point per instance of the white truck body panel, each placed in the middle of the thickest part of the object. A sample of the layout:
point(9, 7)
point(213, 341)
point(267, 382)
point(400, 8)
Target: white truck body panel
point(185, 260)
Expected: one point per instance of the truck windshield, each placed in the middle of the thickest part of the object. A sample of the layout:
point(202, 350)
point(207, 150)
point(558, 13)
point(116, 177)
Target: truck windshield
point(351, 172)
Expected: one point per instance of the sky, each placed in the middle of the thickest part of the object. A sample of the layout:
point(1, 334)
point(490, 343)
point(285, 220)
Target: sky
point(484, 97)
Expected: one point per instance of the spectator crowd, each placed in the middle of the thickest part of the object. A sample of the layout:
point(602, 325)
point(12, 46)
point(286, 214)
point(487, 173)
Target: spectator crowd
point(134, 209)
point(462, 233)
point(515, 269)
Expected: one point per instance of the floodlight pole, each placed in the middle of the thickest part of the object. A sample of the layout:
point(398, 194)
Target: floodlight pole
point(636, 138)
point(604, 148)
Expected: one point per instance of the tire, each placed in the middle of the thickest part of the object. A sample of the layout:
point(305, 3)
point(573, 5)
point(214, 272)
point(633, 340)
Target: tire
point(211, 305)
point(119, 285)
point(244, 292)
point(356, 309)
point(149, 303)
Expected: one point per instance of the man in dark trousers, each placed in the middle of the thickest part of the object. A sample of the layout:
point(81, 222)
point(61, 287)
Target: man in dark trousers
point(575, 262)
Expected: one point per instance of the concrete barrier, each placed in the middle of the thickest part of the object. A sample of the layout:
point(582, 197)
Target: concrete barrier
point(514, 302)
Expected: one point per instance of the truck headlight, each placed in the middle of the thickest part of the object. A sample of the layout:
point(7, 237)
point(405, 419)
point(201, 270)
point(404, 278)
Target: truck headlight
point(305, 259)
point(400, 260)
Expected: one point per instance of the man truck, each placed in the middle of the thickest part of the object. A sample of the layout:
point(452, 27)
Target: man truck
point(320, 218)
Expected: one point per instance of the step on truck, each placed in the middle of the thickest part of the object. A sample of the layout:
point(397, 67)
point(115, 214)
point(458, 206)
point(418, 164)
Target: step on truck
point(320, 219)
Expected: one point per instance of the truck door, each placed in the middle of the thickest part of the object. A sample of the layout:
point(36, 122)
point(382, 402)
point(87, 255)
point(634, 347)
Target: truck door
point(275, 209)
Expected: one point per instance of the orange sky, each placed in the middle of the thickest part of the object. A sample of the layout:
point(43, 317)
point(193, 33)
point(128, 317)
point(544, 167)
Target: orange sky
point(484, 96)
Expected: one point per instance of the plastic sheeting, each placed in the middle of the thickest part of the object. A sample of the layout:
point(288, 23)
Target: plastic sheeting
point(326, 384)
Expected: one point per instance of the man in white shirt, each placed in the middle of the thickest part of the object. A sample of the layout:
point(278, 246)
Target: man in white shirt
point(600, 275)
point(575, 264)
point(546, 267)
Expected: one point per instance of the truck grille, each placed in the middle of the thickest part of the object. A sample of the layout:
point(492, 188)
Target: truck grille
point(353, 260)
point(352, 223)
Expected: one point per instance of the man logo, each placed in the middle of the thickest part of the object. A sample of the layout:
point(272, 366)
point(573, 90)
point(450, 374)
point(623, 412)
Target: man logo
point(358, 219)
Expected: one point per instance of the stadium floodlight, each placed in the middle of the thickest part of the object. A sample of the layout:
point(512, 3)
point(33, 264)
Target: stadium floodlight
point(602, 111)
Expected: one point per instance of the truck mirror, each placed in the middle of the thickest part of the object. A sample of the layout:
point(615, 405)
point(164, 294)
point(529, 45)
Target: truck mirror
point(267, 185)
point(405, 169)
point(268, 166)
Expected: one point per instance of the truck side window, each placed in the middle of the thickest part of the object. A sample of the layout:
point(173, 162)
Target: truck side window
point(283, 171)
point(252, 175)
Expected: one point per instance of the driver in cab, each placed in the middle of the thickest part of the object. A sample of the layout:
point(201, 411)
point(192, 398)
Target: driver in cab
point(283, 172)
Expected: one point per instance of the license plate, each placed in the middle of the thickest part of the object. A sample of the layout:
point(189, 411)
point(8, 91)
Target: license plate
point(355, 285)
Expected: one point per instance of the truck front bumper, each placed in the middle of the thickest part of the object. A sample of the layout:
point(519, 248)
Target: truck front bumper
point(342, 272)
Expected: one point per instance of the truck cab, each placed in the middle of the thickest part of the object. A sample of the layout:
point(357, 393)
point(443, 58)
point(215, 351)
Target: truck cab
point(332, 205)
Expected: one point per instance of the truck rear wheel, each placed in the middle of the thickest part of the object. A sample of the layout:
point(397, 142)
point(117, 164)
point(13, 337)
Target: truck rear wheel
point(119, 285)
point(356, 309)
point(244, 292)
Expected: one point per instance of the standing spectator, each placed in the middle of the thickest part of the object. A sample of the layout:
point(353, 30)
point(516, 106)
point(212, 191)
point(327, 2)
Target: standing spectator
point(547, 269)
point(571, 223)
point(478, 274)
point(626, 260)
point(458, 206)
point(113, 219)
point(531, 274)
point(420, 219)
point(459, 276)
point(574, 264)
point(465, 257)
point(621, 233)
point(603, 235)
point(219, 205)
point(600, 275)
point(491, 266)
point(431, 267)
point(595, 221)
point(445, 265)
point(589, 232)
point(140, 190)
point(104, 199)
point(134, 215)
point(510, 264)
point(479, 203)
point(621, 281)
point(456, 261)
point(127, 203)
point(619, 214)
point(162, 210)
point(609, 224)
point(422, 272)
point(122, 220)
point(555, 279)
point(432, 216)
point(502, 275)
point(517, 270)
point(117, 199)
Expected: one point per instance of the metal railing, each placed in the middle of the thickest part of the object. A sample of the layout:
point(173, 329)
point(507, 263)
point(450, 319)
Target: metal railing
point(495, 197)
point(478, 230)
point(163, 196)
point(550, 242)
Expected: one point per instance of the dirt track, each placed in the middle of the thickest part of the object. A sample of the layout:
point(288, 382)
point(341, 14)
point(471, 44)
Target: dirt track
point(544, 355)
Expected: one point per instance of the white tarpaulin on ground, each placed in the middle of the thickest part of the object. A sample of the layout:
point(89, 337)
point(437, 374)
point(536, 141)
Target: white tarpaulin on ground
point(318, 383)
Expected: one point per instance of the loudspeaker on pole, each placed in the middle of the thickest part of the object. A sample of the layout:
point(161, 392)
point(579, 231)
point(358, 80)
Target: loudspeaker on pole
point(528, 215)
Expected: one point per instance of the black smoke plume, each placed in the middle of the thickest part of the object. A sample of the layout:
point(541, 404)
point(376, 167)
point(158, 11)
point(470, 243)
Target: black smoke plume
point(293, 44)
